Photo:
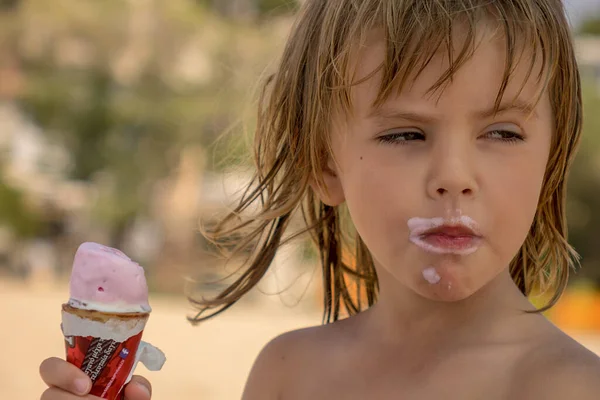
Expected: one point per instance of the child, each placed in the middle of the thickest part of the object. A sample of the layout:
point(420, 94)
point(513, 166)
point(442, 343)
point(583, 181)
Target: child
point(445, 129)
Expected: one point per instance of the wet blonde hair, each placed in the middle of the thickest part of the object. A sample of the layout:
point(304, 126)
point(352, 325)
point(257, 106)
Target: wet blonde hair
point(313, 82)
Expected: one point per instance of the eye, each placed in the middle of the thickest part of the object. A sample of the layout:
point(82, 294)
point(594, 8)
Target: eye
point(401, 138)
point(505, 136)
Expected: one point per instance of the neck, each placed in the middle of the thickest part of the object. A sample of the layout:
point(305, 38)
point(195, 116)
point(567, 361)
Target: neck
point(401, 315)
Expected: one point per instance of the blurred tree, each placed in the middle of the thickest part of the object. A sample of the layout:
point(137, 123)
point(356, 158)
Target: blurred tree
point(15, 214)
point(245, 8)
point(123, 147)
point(584, 191)
point(9, 5)
point(590, 26)
point(124, 100)
point(274, 7)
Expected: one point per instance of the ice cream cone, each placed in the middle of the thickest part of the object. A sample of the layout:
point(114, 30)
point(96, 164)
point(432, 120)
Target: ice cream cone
point(104, 319)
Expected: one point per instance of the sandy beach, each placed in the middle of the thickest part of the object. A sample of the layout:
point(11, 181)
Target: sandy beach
point(210, 361)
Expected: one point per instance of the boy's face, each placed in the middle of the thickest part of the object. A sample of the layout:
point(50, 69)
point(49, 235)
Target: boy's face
point(425, 156)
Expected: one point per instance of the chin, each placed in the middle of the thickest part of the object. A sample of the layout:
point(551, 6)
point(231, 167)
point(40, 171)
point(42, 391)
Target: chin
point(444, 284)
point(453, 278)
point(444, 292)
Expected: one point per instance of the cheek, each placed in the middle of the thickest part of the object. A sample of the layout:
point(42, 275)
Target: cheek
point(514, 203)
point(380, 199)
point(370, 192)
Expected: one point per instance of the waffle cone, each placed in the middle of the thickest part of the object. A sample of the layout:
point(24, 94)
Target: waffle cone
point(103, 317)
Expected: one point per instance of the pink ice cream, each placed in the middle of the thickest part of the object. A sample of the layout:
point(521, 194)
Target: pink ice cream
point(105, 279)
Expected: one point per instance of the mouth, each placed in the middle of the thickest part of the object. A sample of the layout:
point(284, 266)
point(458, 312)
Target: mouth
point(442, 237)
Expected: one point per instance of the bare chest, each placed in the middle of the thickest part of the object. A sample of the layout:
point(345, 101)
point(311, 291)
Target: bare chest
point(461, 377)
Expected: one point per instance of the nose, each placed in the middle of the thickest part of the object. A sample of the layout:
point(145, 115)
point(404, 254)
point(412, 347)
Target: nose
point(452, 174)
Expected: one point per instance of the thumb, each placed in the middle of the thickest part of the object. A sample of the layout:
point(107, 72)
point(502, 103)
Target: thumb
point(138, 389)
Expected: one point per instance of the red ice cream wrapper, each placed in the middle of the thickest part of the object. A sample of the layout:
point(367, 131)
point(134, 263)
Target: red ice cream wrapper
point(106, 362)
point(107, 348)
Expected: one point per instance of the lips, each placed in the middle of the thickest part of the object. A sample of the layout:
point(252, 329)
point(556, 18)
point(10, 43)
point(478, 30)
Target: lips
point(451, 231)
point(446, 243)
point(439, 236)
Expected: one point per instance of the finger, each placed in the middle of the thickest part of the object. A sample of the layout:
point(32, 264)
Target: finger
point(54, 393)
point(138, 389)
point(61, 374)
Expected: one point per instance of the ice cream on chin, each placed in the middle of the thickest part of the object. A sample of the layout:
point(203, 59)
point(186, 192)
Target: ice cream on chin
point(105, 279)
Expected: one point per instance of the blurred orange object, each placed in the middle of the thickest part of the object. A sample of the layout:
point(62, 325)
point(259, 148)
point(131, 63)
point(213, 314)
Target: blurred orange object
point(578, 309)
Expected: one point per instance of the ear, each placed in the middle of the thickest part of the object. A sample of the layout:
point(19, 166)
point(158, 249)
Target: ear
point(333, 192)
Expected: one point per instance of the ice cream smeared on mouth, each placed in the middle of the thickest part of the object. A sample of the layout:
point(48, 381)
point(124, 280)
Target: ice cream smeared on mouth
point(438, 235)
point(105, 279)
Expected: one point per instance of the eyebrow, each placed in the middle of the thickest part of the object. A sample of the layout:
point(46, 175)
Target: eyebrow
point(389, 113)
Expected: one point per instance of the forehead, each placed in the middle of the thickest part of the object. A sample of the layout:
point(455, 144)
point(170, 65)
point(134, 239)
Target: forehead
point(478, 80)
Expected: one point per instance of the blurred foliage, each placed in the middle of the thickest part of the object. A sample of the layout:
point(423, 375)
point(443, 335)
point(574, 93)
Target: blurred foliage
point(590, 26)
point(263, 8)
point(125, 127)
point(15, 213)
point(270, 7)
point(584, 189)
point(8, 5)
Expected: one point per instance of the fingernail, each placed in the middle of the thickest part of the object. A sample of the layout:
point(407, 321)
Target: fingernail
point(144, 388)
point(82, 386)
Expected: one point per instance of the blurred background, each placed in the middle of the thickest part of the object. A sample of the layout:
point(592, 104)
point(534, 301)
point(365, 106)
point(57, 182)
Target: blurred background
point(110, 117)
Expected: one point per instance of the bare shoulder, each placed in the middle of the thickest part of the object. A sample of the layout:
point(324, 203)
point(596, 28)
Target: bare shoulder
point(558, 368)
point(285, 357)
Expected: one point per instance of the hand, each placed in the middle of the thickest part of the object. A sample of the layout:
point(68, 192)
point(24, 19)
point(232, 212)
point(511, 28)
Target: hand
point(67, 382)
